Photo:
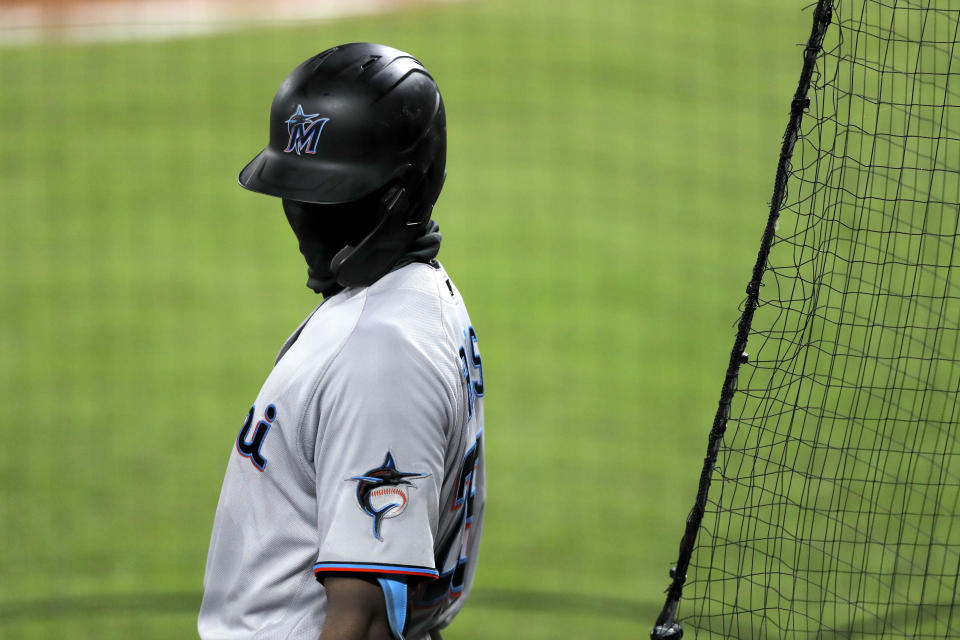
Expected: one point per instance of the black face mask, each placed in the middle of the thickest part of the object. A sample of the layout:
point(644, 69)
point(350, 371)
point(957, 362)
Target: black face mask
point(382, 230)
point(324, 229)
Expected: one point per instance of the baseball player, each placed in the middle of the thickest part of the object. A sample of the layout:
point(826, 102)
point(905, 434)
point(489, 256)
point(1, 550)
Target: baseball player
point(353, 498)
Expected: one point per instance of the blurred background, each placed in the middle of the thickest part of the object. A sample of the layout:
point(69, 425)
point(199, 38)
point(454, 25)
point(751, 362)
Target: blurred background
point(610, 165)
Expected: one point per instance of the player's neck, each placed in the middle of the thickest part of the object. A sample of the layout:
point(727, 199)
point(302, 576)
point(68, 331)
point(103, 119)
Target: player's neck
point(424, 249)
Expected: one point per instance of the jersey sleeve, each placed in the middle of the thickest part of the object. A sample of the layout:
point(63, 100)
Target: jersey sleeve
point(385, 404)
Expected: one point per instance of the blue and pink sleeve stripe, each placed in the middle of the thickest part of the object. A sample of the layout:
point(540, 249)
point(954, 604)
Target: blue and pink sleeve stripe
point(370, 567)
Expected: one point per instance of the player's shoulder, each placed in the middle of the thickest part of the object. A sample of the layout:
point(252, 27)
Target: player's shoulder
point(408, 302)
point(404, 306)
point(417, 279)
point(403, 315)
point(403, 331)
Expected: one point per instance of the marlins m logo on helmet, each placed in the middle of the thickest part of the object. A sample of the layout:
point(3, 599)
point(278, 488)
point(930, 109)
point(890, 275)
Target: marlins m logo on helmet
point(304, 130)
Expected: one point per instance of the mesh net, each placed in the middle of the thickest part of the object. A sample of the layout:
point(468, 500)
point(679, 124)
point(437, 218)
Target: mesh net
point(833, 510)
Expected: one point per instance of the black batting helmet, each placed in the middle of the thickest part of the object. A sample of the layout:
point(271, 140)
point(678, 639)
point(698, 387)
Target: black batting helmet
point(359, 122)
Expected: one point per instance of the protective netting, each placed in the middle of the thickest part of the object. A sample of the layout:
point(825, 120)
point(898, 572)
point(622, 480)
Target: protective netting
point(833, 507)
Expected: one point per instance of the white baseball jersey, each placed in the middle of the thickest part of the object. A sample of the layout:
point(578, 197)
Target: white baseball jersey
point(363, 453)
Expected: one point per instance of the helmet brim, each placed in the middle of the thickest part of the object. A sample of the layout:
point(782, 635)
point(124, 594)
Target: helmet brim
point(286, 176)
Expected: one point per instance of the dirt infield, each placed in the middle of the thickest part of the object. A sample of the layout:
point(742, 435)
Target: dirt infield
point(26, 21)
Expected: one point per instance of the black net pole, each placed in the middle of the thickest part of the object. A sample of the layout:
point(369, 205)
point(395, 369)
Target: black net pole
point(666, 625)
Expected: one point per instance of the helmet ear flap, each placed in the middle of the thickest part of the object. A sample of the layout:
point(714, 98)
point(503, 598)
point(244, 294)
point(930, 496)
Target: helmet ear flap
point(392, 196)
point(399, 224)
point(336, 264)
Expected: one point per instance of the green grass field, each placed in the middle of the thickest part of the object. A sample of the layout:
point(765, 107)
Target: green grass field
point(610, 167)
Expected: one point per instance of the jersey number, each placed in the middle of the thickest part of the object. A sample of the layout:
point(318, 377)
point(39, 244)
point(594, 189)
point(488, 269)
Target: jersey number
point(471, 368)
point(249, 444)
point(450, 583)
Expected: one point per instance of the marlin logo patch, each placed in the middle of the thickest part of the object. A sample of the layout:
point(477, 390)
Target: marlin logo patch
point(304, 130)
point(382, 491)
